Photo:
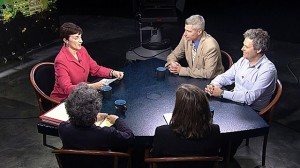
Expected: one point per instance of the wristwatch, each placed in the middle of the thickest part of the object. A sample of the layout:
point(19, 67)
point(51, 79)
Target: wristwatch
point(222, 93)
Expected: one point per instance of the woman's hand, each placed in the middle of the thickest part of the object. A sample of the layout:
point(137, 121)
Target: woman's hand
point(118, 74)
point(112, 118)
point(97, 85)
point(101, 116)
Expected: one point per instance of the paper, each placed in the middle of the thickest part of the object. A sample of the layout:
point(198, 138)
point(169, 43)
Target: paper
point(168, 117)
point(108, 81)
point(103, 123)
point(59, 113)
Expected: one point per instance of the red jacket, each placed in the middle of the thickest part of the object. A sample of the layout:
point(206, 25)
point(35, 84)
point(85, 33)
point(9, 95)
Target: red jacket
point(69, 72)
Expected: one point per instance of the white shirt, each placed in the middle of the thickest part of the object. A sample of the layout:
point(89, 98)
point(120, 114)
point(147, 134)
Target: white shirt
point(254, 85)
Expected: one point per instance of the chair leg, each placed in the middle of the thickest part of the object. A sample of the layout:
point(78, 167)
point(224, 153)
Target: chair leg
point(264, 151)
point(45, 142)
point(247, 141)
point(44, 139)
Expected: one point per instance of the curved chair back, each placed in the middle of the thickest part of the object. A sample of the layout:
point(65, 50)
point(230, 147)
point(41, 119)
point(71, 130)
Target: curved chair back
point(91, 158)
point(182, 161)
point(267, 112)
point(42, 78)
point(226, 60)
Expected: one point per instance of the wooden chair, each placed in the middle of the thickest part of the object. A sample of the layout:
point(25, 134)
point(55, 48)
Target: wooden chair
point(267, 112)
point(227, 63)
point(185, 161)
point(67, 158)
point(42, 78)
point(226, 60)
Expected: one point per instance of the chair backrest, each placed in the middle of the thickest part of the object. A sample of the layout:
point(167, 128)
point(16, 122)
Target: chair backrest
point(182, 161)
point(42, 78)
point(67, 158)
point(226, 60)
point(267, 112)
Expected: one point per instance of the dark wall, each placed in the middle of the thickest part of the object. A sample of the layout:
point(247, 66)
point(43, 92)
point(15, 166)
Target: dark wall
point(280, 19)
point(122, 8)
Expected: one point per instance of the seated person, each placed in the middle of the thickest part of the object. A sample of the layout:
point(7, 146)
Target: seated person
point(73, 64)
point(254, 75)
point(201, 51)
point(191, 131)
point(83, 106)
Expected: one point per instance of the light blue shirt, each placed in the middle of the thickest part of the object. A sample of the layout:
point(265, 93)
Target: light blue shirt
point(196, 44)
point(254, 85)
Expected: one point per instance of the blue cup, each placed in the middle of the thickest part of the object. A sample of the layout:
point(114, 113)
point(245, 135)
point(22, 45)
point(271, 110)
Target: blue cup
point(161, 72)
point(120, 105)
point(106, 92)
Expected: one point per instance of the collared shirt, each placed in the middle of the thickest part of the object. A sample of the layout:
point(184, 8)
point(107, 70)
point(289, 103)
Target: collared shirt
point(196, 43)
point(254, 85)
point(194, 50)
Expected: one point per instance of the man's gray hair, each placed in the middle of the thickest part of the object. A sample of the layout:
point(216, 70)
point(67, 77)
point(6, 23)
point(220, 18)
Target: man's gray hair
point(197, 21)
point(260, 37)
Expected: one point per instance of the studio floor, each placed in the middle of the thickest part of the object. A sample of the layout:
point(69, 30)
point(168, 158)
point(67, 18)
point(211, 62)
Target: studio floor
point(108, 39)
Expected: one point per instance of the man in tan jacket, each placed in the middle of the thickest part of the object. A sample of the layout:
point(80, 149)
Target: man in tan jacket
point(202, 52)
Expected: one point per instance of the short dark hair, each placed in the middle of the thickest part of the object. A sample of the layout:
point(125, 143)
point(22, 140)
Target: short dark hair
point(68, 29)
point(82, 105)
point(260, 37)
point(191, 115)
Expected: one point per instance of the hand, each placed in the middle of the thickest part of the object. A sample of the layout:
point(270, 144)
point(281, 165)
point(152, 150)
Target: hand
point(101, 116)
point(174, 67)
point(97, 85)
point(118, 74)
point(209, 89)
point(112, 118)
point(213, 90)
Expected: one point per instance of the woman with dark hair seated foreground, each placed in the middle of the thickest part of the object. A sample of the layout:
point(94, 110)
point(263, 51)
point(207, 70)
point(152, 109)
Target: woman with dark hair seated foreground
point(83, 106)
point(191, 132)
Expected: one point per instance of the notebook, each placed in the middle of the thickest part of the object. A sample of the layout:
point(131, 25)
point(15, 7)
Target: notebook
point(59, 114)
point(167, 117)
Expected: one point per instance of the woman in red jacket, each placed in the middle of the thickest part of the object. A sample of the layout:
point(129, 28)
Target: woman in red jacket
point(73, 64)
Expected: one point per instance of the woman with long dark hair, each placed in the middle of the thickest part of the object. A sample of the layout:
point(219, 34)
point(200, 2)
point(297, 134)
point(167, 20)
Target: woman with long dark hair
point(191, 131)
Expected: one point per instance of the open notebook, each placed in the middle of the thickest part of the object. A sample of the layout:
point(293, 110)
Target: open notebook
point(167, 117)
point(59, 114)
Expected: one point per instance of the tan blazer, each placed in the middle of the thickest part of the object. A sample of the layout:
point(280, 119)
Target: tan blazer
point(208, 60)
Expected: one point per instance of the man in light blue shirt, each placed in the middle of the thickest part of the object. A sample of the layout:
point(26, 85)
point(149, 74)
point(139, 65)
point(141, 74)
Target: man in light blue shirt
point(254, 75)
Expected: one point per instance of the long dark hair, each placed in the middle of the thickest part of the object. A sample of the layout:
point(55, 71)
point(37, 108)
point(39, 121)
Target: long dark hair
point(191, 115)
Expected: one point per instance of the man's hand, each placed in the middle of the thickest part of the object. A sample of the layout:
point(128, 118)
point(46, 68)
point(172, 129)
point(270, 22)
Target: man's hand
point(174, 67)
point(213, 90)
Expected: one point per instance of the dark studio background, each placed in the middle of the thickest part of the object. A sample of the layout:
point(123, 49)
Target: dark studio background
point(280, 19)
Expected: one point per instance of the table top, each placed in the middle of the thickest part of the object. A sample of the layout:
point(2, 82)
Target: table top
point(148, 98)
